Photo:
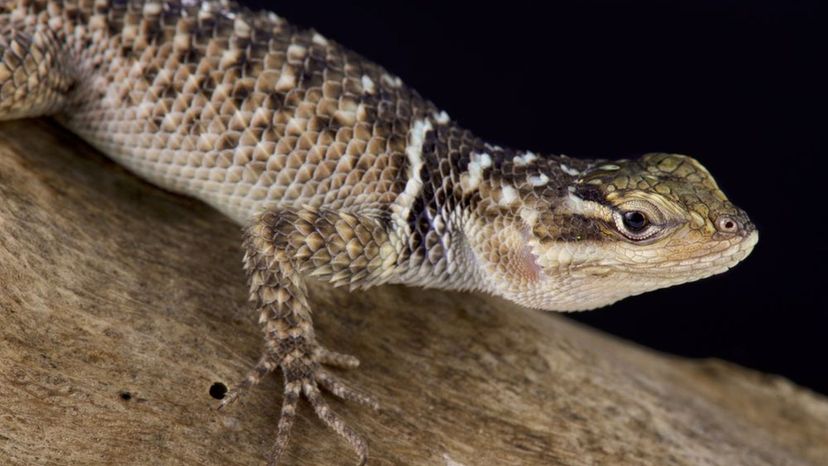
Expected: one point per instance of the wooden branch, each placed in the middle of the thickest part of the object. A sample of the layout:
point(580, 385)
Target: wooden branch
point(122, 305)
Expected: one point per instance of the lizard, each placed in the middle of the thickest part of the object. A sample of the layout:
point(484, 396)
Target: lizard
point(339, 172)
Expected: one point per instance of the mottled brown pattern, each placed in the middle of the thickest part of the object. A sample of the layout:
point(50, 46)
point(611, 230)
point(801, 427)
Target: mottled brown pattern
point(341, 173)
point(213, 101)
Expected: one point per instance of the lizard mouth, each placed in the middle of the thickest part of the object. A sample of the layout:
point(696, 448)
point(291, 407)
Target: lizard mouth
point(729, 253)
point(695, 266)
point(619, 281)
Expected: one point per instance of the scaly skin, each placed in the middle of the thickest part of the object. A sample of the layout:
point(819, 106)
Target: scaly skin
point(343, 174)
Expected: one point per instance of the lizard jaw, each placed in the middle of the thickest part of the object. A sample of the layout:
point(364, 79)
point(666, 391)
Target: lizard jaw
point(582, 277)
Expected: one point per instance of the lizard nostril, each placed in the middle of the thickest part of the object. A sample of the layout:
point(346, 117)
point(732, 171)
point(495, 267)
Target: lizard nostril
point(727, 224)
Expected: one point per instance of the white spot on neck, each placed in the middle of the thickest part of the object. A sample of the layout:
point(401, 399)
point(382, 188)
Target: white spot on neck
point(368, 85)
point(570, 171)
point(319, 39)
point(401, 208)
point(393, 81)
point(508, 195)
point(479, 162)
point(529, 215)
point(525, 159)
point(539, 180)
point(481, 158)
point(441, 118)
point(414, 151)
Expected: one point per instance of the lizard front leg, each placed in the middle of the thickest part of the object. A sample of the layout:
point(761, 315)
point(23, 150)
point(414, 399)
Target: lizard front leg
point(282, 247)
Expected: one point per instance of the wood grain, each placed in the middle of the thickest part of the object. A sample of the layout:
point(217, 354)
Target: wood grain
point(121, 305)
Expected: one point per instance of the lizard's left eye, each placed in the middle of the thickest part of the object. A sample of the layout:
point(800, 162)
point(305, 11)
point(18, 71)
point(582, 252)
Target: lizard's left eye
point(635, 221)
point(635, 225)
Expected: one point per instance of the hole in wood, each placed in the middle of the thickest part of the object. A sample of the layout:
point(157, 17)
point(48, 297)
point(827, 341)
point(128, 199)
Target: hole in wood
point(218, 390)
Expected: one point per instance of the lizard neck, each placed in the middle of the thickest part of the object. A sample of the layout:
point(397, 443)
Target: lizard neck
point(463, 216)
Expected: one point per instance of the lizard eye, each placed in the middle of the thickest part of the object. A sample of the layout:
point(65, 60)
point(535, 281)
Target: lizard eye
point(635, 225)
point(635, 221)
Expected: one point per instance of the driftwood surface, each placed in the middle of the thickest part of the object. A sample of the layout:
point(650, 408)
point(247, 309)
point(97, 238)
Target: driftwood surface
point(121, 306)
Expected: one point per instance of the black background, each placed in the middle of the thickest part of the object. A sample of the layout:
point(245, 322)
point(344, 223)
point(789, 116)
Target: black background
point(736, 84)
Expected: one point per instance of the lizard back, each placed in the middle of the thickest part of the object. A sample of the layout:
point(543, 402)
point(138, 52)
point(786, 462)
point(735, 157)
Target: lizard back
point(236, 108)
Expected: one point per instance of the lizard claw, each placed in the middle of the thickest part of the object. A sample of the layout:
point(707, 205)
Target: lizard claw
point(304, 374)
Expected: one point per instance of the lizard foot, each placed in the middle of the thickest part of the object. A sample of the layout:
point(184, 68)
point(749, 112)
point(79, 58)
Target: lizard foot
point(281, 246)
point(304, 374)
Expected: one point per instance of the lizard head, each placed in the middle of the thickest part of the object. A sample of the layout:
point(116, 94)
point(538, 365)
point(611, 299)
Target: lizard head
point(610, 230)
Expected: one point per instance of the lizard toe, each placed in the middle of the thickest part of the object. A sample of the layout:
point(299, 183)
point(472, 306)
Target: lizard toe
point(334, 359)
point(334, 422)
point(303, 377)
point(266, 365)
point(340, 389)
